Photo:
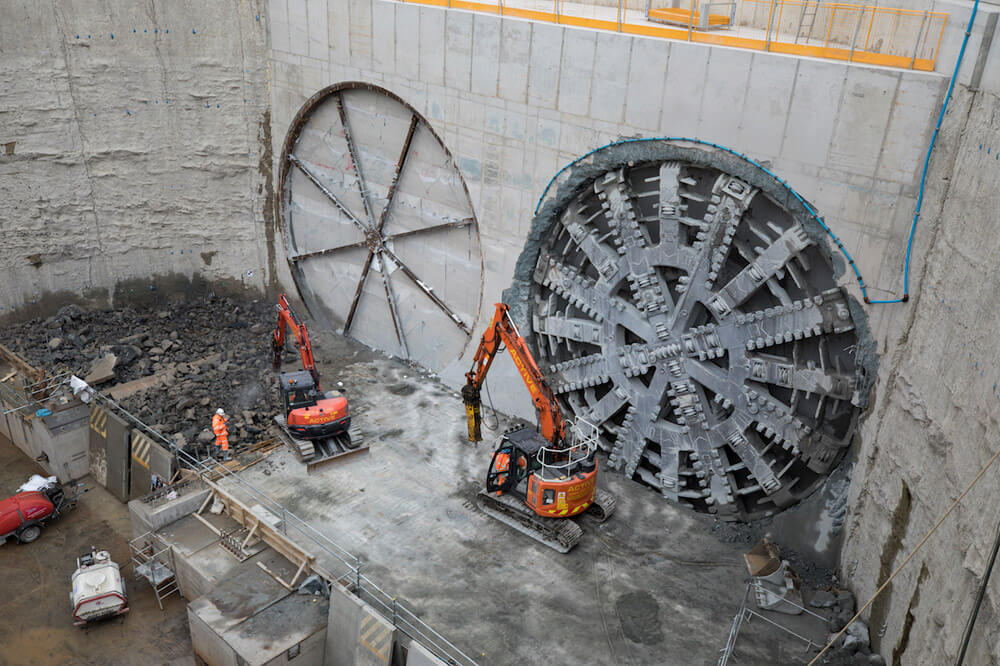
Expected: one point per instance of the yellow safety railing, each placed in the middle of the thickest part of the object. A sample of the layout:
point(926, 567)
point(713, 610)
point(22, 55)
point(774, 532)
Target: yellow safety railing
point(902, 38)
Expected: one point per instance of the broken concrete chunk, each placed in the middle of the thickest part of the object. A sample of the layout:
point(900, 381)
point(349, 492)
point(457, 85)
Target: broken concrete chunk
point(206, 436)
point(103, 370)
point(823, 599)
point(55, 343)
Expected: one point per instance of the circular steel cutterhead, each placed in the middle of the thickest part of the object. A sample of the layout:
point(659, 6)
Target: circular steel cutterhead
point(381, 235)
point(685, 303)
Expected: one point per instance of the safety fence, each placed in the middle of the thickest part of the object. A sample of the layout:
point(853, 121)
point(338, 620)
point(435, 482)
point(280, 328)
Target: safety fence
point(345, 568)
point(901, 38)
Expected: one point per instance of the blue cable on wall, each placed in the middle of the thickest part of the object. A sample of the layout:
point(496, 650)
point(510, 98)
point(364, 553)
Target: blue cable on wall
point(810, 209)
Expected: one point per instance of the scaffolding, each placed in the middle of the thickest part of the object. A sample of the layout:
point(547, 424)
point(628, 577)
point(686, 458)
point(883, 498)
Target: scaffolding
point(153, 560)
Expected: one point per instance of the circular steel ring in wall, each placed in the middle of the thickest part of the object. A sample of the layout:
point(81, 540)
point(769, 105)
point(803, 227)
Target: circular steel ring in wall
point(685, 303)
point(382, 238)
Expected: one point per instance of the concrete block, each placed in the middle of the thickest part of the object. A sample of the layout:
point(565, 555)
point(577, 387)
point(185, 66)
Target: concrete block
point(765, 108)
point(319, 37)
point(298, 27)
point(206, 644)
point(918, 100)
point(277, 24)
point(384, 36)
point(361, 33)
point(485, 54)
point(458, 50)
point(418, 655)
point(647, 73)
point(356, 635)
point(724, 96)
point(682, 93)
point(610, 78)
point(861, 124)
point(546, 56)
point(339, 32)
point(813, 111)
point(407, 40)
point(515, 52)
point(153, 516)
point(577, 71)
point(432, 46)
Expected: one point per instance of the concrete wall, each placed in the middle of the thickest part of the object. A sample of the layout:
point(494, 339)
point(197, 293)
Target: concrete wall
point(934, 425)
point(131, 142)
point(515, 100)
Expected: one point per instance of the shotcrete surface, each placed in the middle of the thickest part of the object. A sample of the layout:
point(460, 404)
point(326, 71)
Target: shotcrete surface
point(652, 585)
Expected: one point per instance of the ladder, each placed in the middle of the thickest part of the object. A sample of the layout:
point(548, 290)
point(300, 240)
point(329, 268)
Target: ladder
point(807, 19)
point(153, 560)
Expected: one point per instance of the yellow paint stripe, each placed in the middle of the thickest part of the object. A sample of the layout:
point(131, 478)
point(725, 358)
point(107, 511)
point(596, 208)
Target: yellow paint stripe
point(683, 34)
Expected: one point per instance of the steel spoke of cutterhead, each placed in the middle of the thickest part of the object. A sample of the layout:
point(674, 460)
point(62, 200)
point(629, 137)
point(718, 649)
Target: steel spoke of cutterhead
point(397, 172)
point(329, 195)
point(357, 292)
point(391, 300)
point(428, 290)
point(355, 161)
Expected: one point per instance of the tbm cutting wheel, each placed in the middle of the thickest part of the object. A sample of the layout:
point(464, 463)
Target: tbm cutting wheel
point(697, 323)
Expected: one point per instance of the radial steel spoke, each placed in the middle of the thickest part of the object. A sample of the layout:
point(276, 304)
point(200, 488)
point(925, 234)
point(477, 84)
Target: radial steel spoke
point(325, 190)
point(396, 173)
point(391, 299)
point(356, 162)
point(329, 250)
point(771, 260)
point(457, 224)
point(357, 292)
point(817, 381)
point(424, 287)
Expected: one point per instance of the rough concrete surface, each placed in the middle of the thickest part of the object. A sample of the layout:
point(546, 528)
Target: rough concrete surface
point(36, 622)
point(649, 585)
point(935, 422)
point(134, 136)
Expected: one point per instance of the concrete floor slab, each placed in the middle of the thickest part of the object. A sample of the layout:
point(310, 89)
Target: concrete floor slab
point(652, 585)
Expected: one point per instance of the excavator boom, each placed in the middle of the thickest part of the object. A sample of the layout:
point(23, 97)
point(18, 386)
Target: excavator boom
point(288, 318)
point(503, 332)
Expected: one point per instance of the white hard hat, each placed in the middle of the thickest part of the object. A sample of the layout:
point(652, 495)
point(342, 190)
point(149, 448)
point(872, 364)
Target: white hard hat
point(220, 411)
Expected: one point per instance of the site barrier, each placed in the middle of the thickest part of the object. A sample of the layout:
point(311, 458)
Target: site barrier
point(885, 36)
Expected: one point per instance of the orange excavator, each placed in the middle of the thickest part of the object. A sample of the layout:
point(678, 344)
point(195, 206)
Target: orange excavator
point(316, 424)
point(536, 480)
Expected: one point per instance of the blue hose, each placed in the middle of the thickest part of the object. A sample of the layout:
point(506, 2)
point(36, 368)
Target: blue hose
point(927, 160)
point(810, 209)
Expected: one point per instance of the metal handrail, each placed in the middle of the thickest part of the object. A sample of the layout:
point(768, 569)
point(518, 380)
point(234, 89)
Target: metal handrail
point(415, 628)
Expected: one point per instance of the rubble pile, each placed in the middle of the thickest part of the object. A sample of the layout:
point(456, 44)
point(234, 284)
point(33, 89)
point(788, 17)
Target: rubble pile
point(199, 355)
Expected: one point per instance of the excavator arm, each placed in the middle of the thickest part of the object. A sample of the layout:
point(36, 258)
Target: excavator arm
point(288, 319)
point(503, 332)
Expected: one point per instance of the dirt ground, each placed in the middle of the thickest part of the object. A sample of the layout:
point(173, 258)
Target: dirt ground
point(36, 624)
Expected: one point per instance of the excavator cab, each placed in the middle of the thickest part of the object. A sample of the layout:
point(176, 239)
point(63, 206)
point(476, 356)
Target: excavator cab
point(552, 482)
point(297, 390)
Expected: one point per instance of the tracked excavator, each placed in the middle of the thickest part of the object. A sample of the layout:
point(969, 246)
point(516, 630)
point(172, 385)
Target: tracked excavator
point(315, 424)
point(538, 479)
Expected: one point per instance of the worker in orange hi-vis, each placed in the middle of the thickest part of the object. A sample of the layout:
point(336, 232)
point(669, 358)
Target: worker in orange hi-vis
point(221, 434)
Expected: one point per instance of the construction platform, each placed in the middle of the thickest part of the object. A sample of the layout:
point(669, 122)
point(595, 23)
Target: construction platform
point(650, 585)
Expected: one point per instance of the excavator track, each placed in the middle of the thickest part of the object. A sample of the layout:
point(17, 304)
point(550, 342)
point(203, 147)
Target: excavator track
point(318, 451)
point(603, 506)
point(560, 534)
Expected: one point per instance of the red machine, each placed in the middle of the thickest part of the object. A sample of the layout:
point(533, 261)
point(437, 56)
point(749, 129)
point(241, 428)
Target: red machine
point(316, 425)
point(23, 515)
point(310, 413)
point(535, 481)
